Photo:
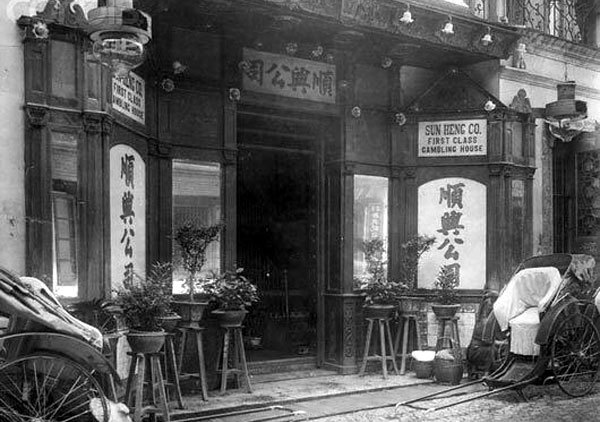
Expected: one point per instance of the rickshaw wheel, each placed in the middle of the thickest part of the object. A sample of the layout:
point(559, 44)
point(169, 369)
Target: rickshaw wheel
point(575, 355)
point(46, 388)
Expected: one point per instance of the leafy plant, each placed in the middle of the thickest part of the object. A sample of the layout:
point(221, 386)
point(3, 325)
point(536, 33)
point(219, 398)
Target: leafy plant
point(145, 301)
point(378, 288)
point(446, 284)
point(411, 252)
point(193, 241)
point(231, 290)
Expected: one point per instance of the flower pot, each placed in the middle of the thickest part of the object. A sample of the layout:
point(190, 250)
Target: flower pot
point(190, 312)
point(146, 341)
point(445, 311)
point(230, 317)
point(409, 304)
point(378, 311)
point(169, 322)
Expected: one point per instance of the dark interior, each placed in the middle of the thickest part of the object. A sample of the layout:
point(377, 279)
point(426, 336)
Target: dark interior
point(277, 232)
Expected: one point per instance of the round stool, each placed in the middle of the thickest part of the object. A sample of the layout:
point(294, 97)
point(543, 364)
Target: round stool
point(384, 337)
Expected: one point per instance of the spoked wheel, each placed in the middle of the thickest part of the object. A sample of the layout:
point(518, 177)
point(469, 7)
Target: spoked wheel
point(48, 388)
point(575, 355)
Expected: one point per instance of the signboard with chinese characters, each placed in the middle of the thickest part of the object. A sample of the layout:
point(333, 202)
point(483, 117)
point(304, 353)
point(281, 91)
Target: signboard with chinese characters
point(453, 210)
point(129, 97)
point(450, 138)
point(288, 76)
point(127, 214)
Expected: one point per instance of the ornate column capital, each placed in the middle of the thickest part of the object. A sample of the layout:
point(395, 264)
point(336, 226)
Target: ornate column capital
point(230, 157)
point(410, 173)
point(92, 123)
point(37, 115)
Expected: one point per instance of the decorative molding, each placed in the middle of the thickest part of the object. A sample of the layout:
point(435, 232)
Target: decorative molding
point(524, 77)
point(348, 339)
point(530, 173)
point(520, 102)
point(38, 116)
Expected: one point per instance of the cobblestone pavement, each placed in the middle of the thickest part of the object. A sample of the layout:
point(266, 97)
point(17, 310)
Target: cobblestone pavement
point(545, 403)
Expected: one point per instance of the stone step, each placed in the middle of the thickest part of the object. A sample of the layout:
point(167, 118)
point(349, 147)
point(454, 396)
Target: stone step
point(304, 363)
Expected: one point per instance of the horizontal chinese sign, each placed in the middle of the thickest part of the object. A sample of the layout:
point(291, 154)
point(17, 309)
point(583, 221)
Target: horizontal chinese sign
point(449, 138)
point(288, 76)
point(453, 210)
point(129, 97)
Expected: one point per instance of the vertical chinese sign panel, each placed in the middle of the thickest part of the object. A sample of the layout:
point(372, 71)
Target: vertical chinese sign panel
point(454, 211)
point(127, 214)
point(288, 76)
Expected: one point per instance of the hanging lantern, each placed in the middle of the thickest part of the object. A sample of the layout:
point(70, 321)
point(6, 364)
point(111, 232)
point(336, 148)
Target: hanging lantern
point(119, 33)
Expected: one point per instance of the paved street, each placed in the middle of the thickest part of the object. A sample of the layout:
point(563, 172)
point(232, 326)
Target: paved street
point(546, 403)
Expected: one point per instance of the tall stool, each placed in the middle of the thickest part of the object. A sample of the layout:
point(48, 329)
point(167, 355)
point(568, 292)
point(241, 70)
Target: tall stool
point(409, 328)
point(384, 335)
point(452, 323)
point(137, 381)
point(196, 332)
point(171, 369)
point(239, 366)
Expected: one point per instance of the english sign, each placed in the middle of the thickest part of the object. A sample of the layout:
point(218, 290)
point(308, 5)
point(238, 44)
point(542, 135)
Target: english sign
point(449, 138)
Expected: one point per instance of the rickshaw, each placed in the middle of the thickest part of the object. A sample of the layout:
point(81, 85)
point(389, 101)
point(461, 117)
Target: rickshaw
point(548, 317)
point(52, 366)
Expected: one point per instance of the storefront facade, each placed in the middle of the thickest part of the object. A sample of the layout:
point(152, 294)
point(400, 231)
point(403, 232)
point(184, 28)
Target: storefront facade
point(305, 128)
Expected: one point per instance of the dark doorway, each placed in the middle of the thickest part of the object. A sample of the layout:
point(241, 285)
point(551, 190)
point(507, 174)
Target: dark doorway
point(277, 203)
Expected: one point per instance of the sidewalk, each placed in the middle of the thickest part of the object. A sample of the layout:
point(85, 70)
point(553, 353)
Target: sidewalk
point(292, 387)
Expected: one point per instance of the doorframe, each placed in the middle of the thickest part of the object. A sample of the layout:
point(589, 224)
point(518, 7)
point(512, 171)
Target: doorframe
point(323, 136)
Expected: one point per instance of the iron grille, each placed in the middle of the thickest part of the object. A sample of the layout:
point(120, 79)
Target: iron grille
point(561, 18)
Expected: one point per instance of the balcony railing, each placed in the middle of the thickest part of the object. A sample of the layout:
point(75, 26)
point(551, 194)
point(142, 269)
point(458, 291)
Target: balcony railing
point(561, 18)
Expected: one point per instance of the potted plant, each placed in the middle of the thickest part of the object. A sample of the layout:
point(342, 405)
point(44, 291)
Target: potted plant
point(232, 292)
point(410, 254)
point(381, 293)
point(193, 240)
point(145, 301)
point(445, 291)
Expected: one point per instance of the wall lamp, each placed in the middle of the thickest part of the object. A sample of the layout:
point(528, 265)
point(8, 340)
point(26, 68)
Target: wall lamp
point(407, 16)
point(487, 38)
point(448, 28)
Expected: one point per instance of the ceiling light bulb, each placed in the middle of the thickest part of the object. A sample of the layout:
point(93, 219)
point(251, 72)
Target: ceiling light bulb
point(407, 17)
point(448, 28)
point(487, 38)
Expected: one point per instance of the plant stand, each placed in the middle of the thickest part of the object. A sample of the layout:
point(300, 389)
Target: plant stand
point(384, 337)
point(452, 323)
point(194, 330)
point(239, 366)
point(409, 327)
point(171, 368)
point(137, 382)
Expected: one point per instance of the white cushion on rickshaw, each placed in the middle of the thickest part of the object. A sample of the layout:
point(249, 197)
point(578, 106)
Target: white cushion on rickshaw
point(529, 288)
point(528, 293)
point(523, 329)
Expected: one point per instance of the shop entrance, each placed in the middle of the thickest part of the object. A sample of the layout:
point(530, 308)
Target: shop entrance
point(277, 224)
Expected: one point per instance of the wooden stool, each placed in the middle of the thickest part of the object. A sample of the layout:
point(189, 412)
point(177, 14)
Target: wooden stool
point(384, 334)
point(239, 366)
point(196, 332)
point(137, 380)
point(452, 323)
point(171, 369)
point(409, 331)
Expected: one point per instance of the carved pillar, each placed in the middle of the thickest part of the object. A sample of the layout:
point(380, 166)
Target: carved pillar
point(496, 227)
point(528, 240)
point(229, 213)
point(93, 210)
point(38, 179)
